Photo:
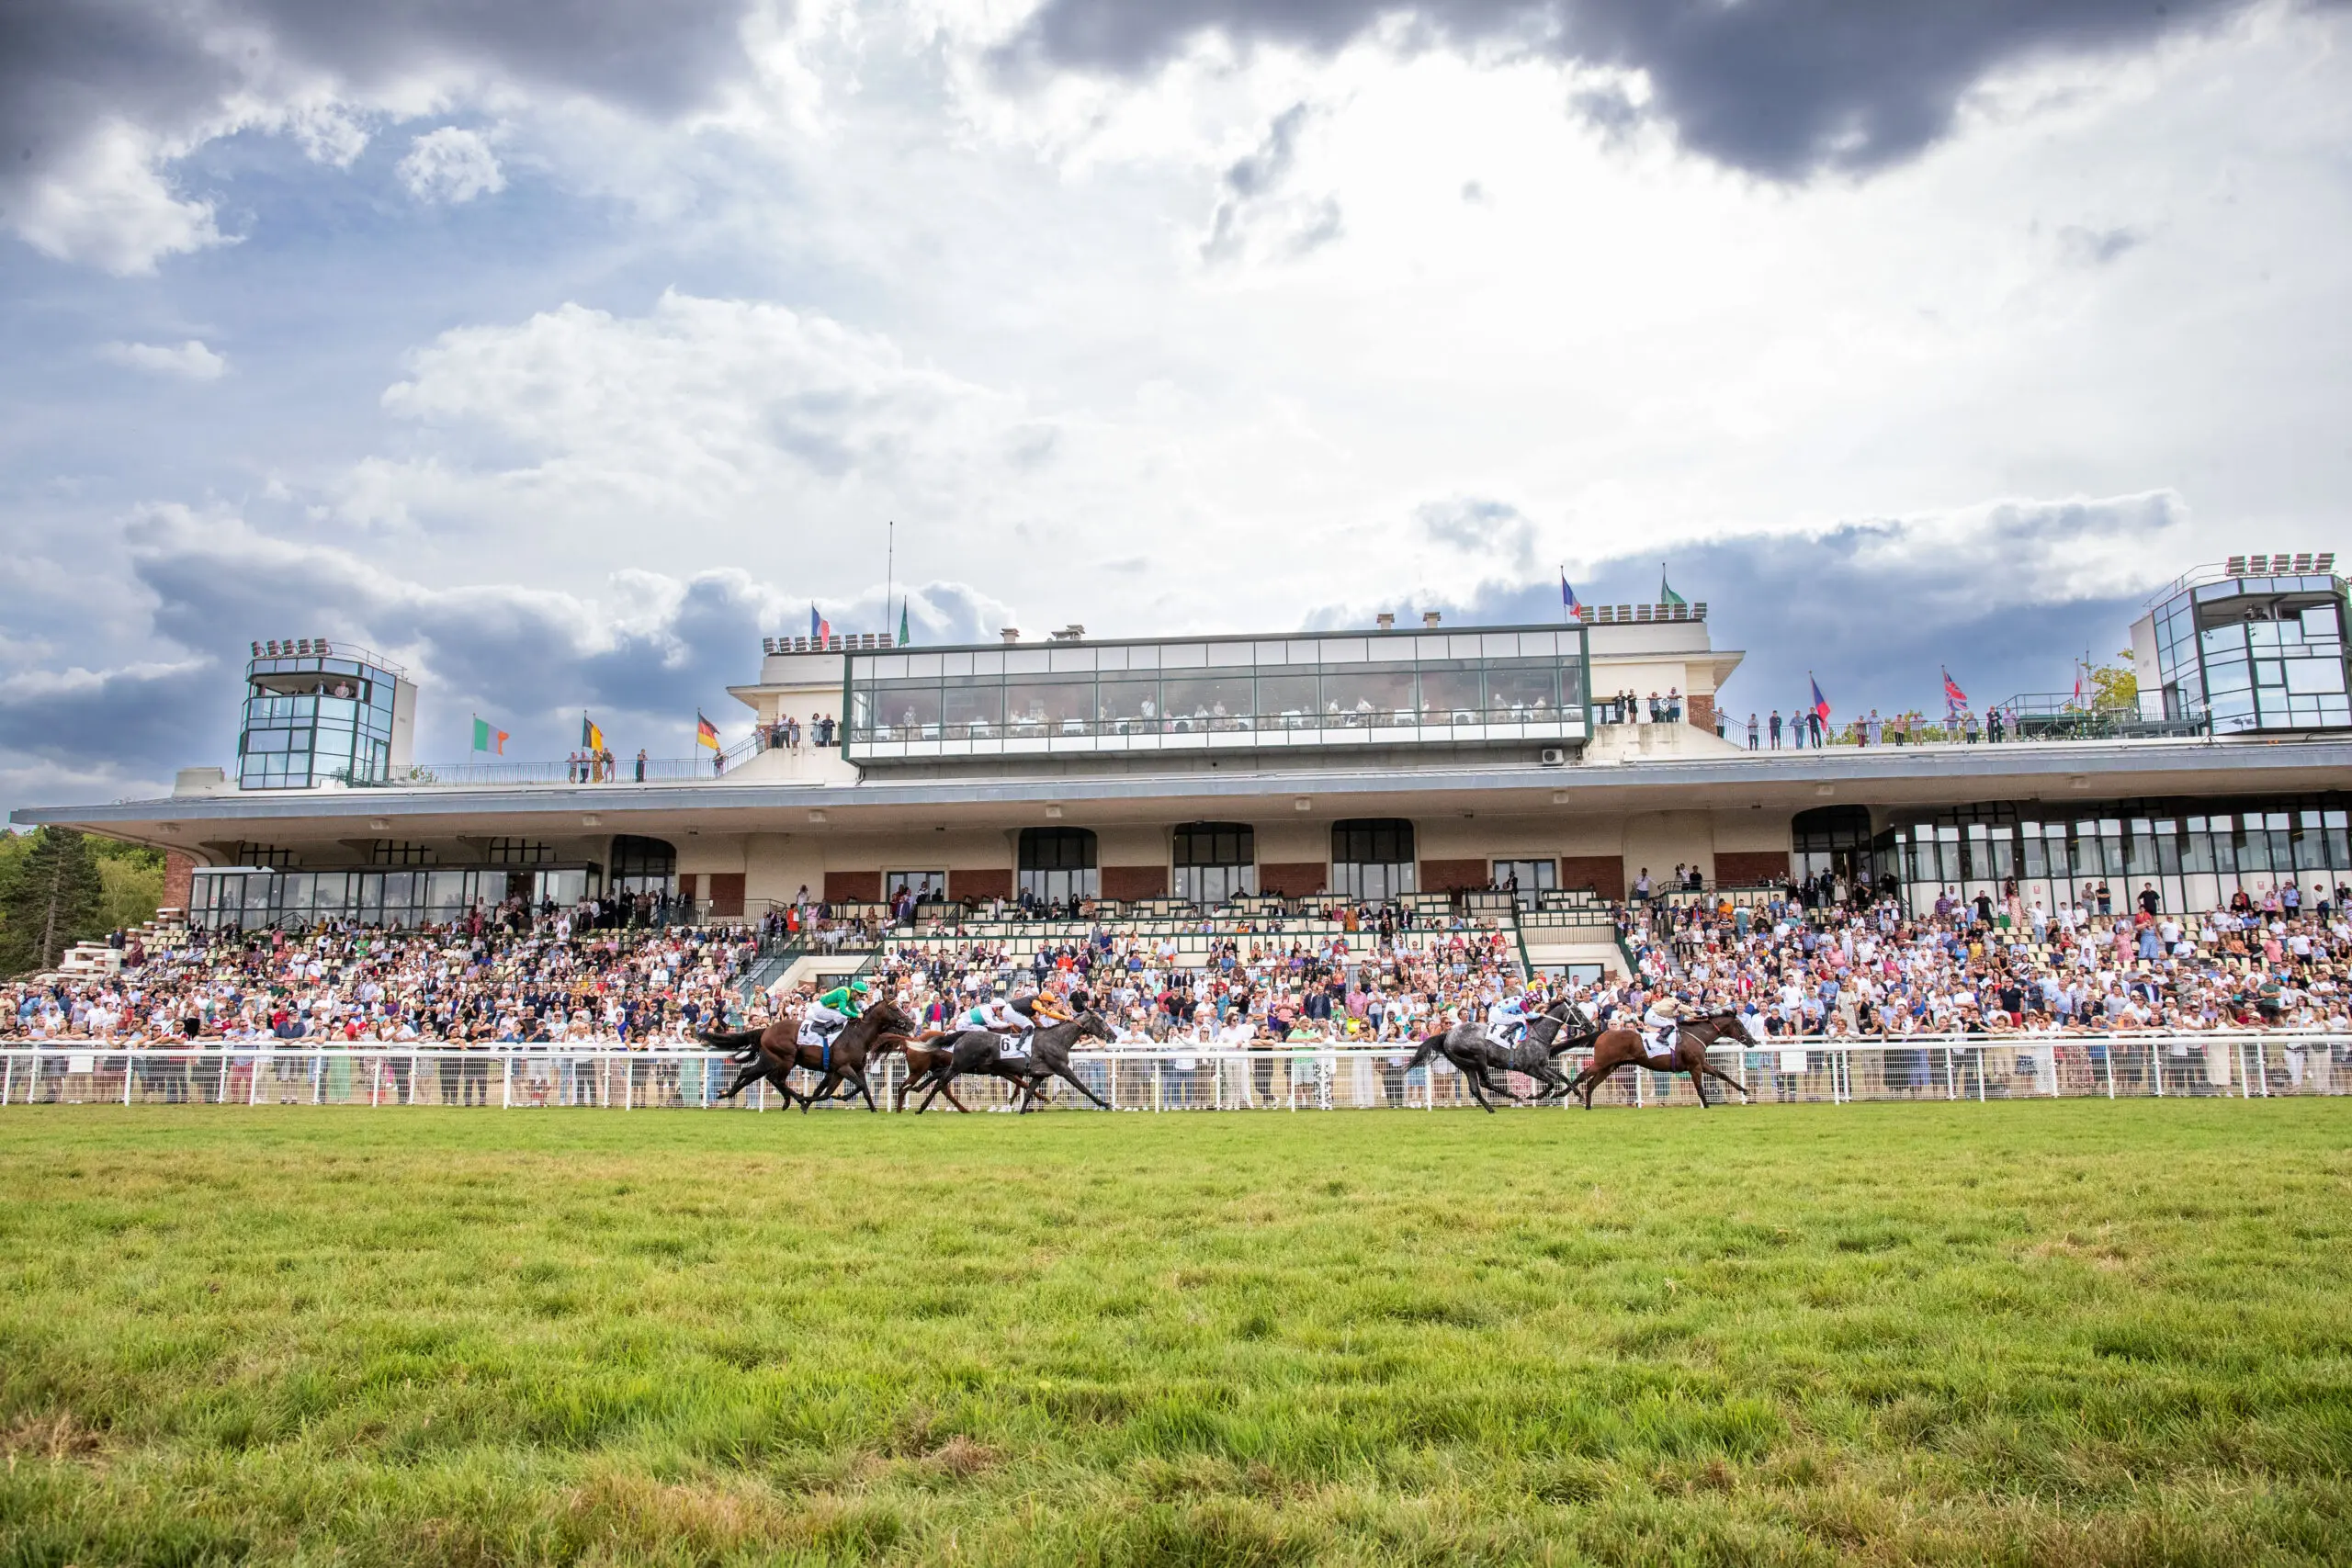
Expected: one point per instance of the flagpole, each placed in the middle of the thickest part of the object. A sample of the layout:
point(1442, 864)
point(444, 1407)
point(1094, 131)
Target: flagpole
point(890, 576)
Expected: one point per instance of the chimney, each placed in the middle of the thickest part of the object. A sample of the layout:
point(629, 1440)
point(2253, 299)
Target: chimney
point(1074, 632)
point(1429, 617)
point(1387, 621)
point(1011, 634)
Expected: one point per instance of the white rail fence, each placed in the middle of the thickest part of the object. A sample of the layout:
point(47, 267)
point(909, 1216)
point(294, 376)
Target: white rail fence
point(1169, 1078)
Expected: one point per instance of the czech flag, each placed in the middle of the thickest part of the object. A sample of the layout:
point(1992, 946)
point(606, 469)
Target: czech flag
point(821, 630)
point(1952, 694)
point(1820, 702)
point(705, 732)
point(1569, 597)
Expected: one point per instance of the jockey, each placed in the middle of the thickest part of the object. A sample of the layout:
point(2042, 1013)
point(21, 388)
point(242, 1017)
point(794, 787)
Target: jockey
point(1507, 1021)
point(1664, 1018)
point(833, 1012)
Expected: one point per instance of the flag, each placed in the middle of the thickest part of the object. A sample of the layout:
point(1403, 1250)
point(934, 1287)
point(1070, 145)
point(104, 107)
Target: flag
point(1952, 694)
point(1667, 595)
point(591, 738)
point(705, 732)
point(903, 637)
point(2078, 685)
point(489, 739)
point(1569, 597)
point(1820, 702)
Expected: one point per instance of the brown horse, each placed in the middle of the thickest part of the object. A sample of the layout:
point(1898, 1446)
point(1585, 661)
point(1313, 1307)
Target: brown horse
point(776, 1050)
point(980, 1051)
point(925, 1054)
point(1618, 1048)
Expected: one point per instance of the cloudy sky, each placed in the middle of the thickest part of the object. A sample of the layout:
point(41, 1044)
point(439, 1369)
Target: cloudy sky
point(561, 348)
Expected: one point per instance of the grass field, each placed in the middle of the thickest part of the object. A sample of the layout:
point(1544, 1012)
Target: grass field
point(2055, 1333)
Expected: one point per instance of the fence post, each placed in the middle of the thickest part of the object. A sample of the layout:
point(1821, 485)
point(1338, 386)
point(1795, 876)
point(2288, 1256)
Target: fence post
point(375, 1082)
point(507, 1083)
point(629, 1085)
point(1980, 1075)
point(32, 1084)
point(126, 1077)
point(252, 1079)
point(2110, 1071)
point(2262, 1065)
point(219, 1094)
point(8, 1079)
point(414, 1075)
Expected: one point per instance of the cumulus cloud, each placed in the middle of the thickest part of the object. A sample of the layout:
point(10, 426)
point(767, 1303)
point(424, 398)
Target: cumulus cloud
point(643, 656)
point(1255, 209)
point(1489, 531)
point(1779, 88)
point(451, 164)
point(189, 360)
point(98, 99)
point(2006, 594)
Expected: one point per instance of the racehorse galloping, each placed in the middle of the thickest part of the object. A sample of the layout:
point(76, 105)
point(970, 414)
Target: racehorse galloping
point(1477, 1056)
point(982, 1051)
point(1618, 1048)
point(925, 1056)
point(777, 1050)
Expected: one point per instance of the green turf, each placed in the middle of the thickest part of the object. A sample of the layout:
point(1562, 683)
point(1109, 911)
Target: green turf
point(2051, 1333)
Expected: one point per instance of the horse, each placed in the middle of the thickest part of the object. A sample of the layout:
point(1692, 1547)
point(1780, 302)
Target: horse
point(1616, 1048)
point(776, 1050)
point(982, 1051)
point(925, 1054)
point(1477, 1056)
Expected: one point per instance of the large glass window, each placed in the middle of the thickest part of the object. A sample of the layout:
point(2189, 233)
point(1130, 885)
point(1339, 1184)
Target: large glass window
point(1058, 864)
point(1373, 859)
point(1330, 688)
point(1528, 880)
point(644, 865)
point(1214, 861)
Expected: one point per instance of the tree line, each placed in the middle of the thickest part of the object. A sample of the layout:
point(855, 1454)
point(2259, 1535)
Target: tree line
point(58, 887)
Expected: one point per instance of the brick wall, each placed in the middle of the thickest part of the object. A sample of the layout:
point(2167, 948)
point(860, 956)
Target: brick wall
point(1702, 712)
point(1291, 879)
point(847, 887)
point(1738, 867)
point(179, 871)
point(1452, 875)
point(1605, 874)
point(974, 886)
point(1127, 882)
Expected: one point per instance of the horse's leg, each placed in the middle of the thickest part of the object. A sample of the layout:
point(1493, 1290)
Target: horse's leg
point(1715, 1071)
point(857, 1081)
point(960, 1107)
point(1697, 1072)
point(824, 1090)
point(947, 1075)
point(1070, 1079)
point(1477, 1092)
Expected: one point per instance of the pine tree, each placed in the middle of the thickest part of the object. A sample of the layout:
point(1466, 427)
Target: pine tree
point(54, 897)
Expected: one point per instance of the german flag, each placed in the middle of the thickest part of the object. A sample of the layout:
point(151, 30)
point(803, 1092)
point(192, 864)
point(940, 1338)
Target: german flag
point(705, 732)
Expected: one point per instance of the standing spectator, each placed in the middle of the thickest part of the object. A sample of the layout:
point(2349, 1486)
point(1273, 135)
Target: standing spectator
point(1751, 732)
point(1776, 729)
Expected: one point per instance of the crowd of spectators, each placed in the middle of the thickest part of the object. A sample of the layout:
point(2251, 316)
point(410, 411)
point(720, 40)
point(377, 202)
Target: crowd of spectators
point(1834, 963)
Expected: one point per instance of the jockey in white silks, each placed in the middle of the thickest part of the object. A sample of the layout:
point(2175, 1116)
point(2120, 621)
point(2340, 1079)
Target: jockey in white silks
point(999, 1016)
point(1664, 1018)
point(1507, 1021)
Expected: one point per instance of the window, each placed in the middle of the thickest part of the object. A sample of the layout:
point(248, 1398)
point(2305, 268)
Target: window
point(518, 851)
point(644, 865)
point(1058, 864)
point(1835, 838)
point(1529, 879)
point(1373, 859)
point(1214, 861)
point(265, 854)
point(926, 885)
point(397, 851)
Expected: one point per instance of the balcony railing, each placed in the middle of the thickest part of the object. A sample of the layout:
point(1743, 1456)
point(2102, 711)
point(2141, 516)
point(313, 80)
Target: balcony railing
point(1358, 726)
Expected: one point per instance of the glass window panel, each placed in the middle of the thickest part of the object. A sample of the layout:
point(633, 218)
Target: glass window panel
point(1183, 655)
point(2321, 624)
point(1209, 702)
point(1287, 698)
point(1129, 704)
point(2269, 673)
point(956, 663)
point(1023, 661)
point(1036, 708)
point(1523, 689)
point(1269, 652)
point(1450, 694)
point(907, 704)
point(1225, 655)
point(2314, 676)
point(1371, 695)
point(925, 664)
point(1111, 658)
point(1347, 651)
point(1070, 660)
point(889, 667)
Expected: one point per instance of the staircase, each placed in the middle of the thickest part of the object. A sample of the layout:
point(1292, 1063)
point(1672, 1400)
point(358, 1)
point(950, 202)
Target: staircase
point(92, 960)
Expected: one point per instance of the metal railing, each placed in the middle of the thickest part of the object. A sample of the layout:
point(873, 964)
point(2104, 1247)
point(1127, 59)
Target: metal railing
point(1309, 1075)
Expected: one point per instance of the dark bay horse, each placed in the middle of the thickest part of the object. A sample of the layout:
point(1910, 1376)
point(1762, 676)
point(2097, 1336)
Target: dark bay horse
point(1477, 1058)
point(982, 1051)
point(776, 1050)
point(925, 1056)
point(1618, 1048)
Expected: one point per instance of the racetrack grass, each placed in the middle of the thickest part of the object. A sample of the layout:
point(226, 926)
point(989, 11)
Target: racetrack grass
point(2056, 1333)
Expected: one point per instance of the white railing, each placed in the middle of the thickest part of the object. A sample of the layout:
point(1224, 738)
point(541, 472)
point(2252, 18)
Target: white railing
point(1288, 1077)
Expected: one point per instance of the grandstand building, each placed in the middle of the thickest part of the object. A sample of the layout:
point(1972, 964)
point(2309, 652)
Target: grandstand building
point(1424, 758)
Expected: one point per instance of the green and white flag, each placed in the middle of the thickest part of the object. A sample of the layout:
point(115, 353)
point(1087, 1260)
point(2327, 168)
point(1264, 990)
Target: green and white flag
point(1667, 595)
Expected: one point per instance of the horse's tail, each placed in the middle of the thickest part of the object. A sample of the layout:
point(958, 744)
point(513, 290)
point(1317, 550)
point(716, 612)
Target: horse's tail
point(741, 1043)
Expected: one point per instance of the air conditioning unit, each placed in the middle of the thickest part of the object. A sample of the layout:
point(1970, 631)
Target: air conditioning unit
point(1553, 757)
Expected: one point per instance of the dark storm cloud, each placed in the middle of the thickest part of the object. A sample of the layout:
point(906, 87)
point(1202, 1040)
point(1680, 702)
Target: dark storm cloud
point(1876, 609)
point(1781, 88)
point(642, 662)
point(69, 67)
